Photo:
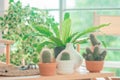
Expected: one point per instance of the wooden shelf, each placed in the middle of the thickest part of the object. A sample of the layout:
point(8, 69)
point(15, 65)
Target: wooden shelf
point(6, 41)
point(74, 76)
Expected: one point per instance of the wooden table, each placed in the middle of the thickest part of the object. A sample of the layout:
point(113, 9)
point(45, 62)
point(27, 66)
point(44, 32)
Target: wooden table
point(7, 43)
point(75, 76)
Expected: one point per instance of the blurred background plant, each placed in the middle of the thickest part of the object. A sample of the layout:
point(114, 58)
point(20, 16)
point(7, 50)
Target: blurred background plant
point(15, 24)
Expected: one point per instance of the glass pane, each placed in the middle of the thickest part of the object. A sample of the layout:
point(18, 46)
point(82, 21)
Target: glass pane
point(55, 14)
point(42, 4)
point(92, 3)
point(113, 55)
point(83, 19)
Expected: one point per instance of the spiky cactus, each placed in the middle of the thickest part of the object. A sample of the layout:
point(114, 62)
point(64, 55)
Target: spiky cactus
point(46, 56)
point(65, 56)
point(93, 40)
point(96, 54)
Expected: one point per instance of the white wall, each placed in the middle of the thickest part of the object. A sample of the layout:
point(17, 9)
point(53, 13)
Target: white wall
point(3, 8)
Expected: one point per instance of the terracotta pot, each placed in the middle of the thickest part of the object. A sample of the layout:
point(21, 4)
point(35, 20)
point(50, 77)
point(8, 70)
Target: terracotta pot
point(94, 66)
point(115, 78)
point(47, 69)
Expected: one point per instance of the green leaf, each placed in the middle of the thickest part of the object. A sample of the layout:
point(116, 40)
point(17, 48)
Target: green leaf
point(43, 30)
point(11, 1)
point(66, 16)
point(66, 29)
point(104, 44)
point(56, 30)
point(41, 45)
point(31, 34)
point(1, 18)
point(91, 29)
point(57, 41)
point(69, 39)
point(81, 41)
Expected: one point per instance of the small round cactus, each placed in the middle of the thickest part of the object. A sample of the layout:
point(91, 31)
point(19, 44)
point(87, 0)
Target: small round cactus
point(65, 56)
point(46, 56)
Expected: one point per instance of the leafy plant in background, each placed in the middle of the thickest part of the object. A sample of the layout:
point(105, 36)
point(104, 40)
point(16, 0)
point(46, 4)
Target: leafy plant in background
point(16, 24)
point(55, 38)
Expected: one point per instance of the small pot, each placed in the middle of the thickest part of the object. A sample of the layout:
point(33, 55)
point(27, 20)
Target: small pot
point(94, 66)
point(47, 69)
point(65, 67)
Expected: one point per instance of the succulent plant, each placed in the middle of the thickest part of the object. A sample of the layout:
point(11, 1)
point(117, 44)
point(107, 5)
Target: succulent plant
point(46, 57)
point(93, 40)
point(65, 56)
point(97, 54)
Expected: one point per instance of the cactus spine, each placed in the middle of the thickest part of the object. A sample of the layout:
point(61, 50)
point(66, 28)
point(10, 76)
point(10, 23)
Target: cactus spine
point(65, 56)
point(46, 56)
point(97, 54)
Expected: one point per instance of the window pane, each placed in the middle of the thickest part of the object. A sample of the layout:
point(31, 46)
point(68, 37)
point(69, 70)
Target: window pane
point(92, 3)
point(84, 18)
point(42, 4)
point(55, 14)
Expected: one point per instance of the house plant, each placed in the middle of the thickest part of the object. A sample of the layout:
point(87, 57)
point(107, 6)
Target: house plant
point(56, 38)
point(65, 63)
point(47, 66)
point(15, 24)
point(94, 57)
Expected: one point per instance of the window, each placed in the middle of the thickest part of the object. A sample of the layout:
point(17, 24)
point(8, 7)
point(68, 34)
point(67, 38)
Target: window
point(82, 17)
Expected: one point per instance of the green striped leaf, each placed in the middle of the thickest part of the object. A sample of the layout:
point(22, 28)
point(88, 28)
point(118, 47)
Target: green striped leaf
point(66, 29)
point(43, 30)
point(57, 41)
point(55, 30)
point(45, 43)
point(91, 29)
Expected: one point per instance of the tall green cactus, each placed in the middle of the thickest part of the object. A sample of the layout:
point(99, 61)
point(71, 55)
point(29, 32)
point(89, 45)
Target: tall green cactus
point(96, 54)
point(65, 56)
point(93, 40)
point(46, 56)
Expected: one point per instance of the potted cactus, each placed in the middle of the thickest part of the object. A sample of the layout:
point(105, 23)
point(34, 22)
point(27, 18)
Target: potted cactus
point(94, 57)
point(65, 63)
point(47, 66)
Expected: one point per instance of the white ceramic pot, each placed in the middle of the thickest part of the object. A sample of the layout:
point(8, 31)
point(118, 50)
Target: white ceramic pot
point(78, 59)
point(65, 67)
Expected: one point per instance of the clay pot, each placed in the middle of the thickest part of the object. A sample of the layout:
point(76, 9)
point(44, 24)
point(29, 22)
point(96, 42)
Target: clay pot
point(47, 69)
point(115, 78)
point(94, 66)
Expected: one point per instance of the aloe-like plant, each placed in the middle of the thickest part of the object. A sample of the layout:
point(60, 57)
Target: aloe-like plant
point(55, 37)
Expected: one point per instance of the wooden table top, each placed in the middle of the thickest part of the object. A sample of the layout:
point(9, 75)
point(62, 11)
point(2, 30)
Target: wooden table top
point(62, 77)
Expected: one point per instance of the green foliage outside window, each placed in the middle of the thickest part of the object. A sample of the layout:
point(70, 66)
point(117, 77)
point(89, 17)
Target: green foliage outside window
point(16, 23)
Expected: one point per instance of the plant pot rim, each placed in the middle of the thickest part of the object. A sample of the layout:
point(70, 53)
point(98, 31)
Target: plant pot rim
point(65, 60)
point(94, 61)
point(47, 63)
